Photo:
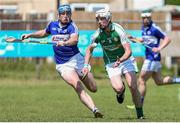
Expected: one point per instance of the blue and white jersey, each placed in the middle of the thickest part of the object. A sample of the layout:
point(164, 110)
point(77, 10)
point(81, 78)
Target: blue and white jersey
point(151, 36)
point(62, 53)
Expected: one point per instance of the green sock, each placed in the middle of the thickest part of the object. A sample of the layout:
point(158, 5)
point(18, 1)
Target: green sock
point(139, 112)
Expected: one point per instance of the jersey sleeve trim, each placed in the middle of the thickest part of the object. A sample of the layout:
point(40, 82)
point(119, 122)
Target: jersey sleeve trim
point(122, 34)
point(94, 38)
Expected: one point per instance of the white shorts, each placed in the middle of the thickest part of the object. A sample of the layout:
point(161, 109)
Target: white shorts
point(75, 63)
point(123, 68)
point(134, 63)
point(151, 65)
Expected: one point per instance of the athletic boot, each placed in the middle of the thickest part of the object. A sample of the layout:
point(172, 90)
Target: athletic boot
point(97, 114)
point(141, 118)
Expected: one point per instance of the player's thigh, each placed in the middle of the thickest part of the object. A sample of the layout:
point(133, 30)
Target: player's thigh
point(68, 74)
point(157, 77)
point(71, 77)
point(90, 83)
point(116, 82)
point(143, 77)
point(129, 71)
point(131, 79)
point(114, 75)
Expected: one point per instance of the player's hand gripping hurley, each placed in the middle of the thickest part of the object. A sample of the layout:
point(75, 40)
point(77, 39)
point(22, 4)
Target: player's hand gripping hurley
point(86, 69)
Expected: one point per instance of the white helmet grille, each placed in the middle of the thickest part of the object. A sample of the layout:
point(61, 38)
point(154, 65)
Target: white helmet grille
point(103, 13)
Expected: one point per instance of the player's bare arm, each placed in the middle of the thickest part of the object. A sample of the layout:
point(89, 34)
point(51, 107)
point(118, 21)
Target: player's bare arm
point(135, 39)
point(164, 43)
point(72, 41)
point(38, 34)
point(88, 55)
point(126, 55)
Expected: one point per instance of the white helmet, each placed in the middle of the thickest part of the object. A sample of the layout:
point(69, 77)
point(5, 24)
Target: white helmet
point(103, 13)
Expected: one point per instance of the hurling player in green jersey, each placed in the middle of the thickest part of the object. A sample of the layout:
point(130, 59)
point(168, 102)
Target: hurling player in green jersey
point(116, 55)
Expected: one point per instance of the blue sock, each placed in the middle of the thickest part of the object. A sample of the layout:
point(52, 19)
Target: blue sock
point(142, 99)
point(176, 80)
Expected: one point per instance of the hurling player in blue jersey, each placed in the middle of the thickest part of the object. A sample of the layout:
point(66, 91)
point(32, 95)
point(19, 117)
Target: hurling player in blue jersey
point(151, 36)
point(69, 61)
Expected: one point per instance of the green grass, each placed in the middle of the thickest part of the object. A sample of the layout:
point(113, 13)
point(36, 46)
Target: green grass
point(53, 100)
point(24, 98)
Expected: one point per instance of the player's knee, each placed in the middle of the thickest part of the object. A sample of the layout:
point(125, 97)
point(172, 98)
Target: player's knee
point(119, 89)
point(93, 89)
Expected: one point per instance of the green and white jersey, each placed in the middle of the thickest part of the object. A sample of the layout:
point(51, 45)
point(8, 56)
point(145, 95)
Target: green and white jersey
point(111, 42)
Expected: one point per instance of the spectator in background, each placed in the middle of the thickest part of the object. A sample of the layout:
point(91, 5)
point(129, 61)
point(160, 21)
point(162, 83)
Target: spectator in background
point(69, 61)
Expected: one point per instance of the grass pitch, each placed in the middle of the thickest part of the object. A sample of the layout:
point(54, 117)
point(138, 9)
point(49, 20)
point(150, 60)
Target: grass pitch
point(55, 101)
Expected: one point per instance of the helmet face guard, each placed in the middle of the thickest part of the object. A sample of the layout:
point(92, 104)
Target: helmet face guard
point(64, 8)
point(103, 18)
point(64, 14)
point(103, 14)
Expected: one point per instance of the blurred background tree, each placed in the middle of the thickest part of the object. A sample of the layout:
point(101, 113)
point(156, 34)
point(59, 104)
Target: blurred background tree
point(172, 2)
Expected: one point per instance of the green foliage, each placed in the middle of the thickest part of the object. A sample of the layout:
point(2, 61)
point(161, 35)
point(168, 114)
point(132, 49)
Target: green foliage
point(27, 69)
point(31, 69)
point(172, 2)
